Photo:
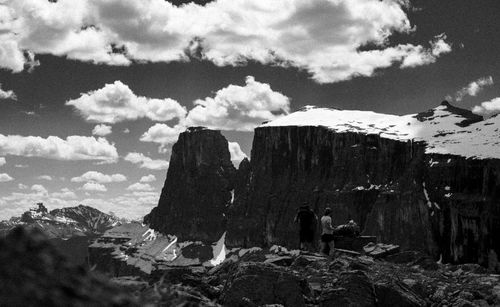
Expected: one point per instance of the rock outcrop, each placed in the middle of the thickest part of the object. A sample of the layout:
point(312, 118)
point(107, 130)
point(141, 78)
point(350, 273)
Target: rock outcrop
point(428, 182)
point(198, 188)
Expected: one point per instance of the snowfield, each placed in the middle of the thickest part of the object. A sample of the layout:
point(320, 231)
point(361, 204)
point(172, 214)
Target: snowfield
point(445, 129)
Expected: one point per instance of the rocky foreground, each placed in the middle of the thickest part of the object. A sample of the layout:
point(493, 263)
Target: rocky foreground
point(158, 268)
point(291, 278)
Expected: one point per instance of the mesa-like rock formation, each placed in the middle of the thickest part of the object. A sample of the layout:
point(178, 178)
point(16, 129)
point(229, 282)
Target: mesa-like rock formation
point(428, 181)
point(198, 188)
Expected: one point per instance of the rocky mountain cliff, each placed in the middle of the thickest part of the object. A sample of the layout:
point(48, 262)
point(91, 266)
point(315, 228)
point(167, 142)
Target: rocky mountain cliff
point(198, 188)
point(427, 181)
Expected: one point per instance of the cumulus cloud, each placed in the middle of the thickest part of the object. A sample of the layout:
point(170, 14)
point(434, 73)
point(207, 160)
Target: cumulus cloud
point(162, 134)
point(148, 178)
point(140, 187)
point(236, 153)
point(146, 162)
point(39, 189)
point(101, 130)
point(239, 108)
point(72, 148)
point(116, 103)
point(322, 37)
point(93, 176)
point(65, 193)
point(94, 187)
point(2, 161)
point(7, 94)
point(474, 88)
point(44, 177)
point(5, 177)
point(22, 186)
point(488, 108)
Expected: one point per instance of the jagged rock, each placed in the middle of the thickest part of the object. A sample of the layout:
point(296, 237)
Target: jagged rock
point(353, 288)
point(197, 189)
point(380, 250)
point(256, 284)
point(397, 294)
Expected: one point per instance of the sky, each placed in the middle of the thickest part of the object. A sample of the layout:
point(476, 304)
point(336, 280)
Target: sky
point(93, 93)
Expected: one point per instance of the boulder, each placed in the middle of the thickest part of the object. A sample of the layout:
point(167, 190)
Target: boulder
point(353, 289)
point(256, 284)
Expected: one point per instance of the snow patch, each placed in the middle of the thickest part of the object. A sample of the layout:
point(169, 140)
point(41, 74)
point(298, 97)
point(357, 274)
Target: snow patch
point(440, 130)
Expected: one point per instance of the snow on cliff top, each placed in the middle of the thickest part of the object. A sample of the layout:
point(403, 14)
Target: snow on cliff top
point(446, 129)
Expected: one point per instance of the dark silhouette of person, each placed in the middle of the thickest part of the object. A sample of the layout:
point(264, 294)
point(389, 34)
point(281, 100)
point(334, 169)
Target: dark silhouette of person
point(307, 221)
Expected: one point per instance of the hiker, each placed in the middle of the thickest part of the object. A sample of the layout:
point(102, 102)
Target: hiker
point(327, 243)
point(307, 224)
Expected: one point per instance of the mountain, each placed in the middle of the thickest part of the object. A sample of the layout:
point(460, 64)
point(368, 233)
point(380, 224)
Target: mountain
point(63, 223)
point(198, 187)
point(427, 181)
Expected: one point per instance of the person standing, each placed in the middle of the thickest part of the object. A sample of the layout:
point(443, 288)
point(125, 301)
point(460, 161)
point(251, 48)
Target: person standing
point(327, 243)
point(307, 224)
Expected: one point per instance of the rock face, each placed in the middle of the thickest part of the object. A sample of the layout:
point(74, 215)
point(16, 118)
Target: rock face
point(428, 182)
point(198, 188)
point(354, 174)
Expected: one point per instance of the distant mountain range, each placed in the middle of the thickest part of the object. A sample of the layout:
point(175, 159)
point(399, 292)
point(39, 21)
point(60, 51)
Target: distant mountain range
point(63, 223)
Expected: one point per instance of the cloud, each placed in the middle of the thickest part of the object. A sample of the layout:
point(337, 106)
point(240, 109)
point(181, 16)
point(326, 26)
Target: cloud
point(239, 108)
point(162, 134)
point(146, 162)
point(236, 153)
point(2, 161)
point(22, 186)
point(93, 176)
point(94, 186)
point(488, 108)
point(5, 177)
point(72, 148)
point(44, 177)
point(322, 37)
point(116, 103)
point(65, 193)
point(474, 88)
point(148, 178)
point(7, 94)
point(39, 189)
point(101, 130)
point(140, 187)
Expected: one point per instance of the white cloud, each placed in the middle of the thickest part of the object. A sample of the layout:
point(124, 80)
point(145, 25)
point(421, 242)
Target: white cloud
point(236, 153)
point(44, 177)
point(146, 162)
point(488, 108)
point(162, 134)
point(2, 161)
point(65, 193)
point(126, 130)
point(39, 190)
point(93, 176)
point(7, 94)
point(239, 108)
point(5, 177)
point(22, 186)
point(94, 186)
point(72, 148)
point(474, 88)
point(116, 103)
point(322, 36)
point(140, 187)
point(101, 130)
point(148, 178)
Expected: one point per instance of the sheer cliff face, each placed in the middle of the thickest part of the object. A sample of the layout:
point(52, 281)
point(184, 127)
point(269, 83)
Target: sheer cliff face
point(197, 189)
point(359, 176)
point(442, 204)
